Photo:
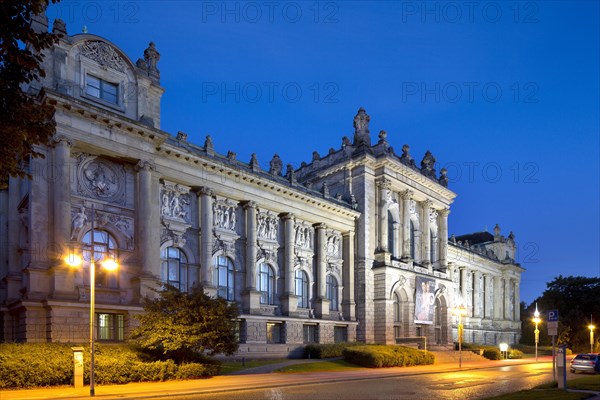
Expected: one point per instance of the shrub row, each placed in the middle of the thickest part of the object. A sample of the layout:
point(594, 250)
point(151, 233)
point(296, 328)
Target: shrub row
point(380, 356)
point(50, 364)
point(491, 352)
point(332, 350)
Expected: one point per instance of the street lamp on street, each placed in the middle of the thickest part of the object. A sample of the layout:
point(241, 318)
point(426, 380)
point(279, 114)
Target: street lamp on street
point(459, 312)
point(74, 260)
point(536, 321)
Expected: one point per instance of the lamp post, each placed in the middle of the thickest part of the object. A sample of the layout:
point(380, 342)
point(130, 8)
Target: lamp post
point(591, 327)
point(460, 311)
point(110, 265)
point(536, 320)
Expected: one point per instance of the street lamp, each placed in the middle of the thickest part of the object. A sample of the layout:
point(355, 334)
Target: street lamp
point(591, 327)
point(460, 311)
point(536, 320)
point(74, 260)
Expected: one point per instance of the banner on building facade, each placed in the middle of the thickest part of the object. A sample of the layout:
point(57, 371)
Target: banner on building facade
point(424, 300)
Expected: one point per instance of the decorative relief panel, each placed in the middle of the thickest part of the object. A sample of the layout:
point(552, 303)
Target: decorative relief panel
point(433, 215)
point(302, 236)
point(412, 206)
point(104, 54)
point(175, 201)
point(175, 212)
point(100, 179)
point(224, 215)
point(81, 220)
point(267, 224)
point(333, 245)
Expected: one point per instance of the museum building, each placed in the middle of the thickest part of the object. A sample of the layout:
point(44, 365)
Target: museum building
point(351, 246)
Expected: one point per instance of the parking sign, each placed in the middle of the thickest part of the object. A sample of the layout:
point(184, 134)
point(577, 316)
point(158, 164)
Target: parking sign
point(552, 315)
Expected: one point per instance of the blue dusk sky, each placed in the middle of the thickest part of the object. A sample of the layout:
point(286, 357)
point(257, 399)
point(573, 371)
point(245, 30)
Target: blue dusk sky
point(504, 94)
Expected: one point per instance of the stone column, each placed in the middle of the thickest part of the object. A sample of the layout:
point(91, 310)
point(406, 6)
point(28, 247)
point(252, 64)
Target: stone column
point(251, 296)
point(62, 195)
point(498, 303)
point(517, 316)
point(426, 238)
point(507, 299)
point(348, 304)
point(443, 238)
point(206, 238)
point(290, 300)
point(478, 300)
point(396, 250)
point(463, 285)
point(322, 303)
point(384, 193)
point(406, 198)
point(148, 223)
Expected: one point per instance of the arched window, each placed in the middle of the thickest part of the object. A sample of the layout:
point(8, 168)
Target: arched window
point(105, 248)
point(412, 240)
point(266, 283)
point(224, 272)
point(302, 288)
point(332, 292)
point(175, 269)
point(396, 308)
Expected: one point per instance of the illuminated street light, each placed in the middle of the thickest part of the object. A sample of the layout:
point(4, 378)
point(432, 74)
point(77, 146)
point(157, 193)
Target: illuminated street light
point(460, 311)
point(74, 260)
point(536, 320)
point(591, 327)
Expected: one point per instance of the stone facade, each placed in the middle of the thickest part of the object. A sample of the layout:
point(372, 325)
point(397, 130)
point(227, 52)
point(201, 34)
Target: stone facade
point(351, 246)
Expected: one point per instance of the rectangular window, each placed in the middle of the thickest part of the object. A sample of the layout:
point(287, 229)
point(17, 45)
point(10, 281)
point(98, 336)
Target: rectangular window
point(310, 333)
point(273, 332)
point(110, 327)
point(101, 89)
point(340, 334)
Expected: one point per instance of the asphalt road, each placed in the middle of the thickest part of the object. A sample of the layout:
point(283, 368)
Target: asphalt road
point(462, 385)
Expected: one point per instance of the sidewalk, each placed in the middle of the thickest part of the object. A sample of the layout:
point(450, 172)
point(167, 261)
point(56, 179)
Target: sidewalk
point(264, 379)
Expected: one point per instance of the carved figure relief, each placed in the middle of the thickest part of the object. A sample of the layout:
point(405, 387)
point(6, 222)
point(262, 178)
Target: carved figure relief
point(100, 179)
point(78, 221)
point(412, 206)
point(224, 216)
point(104, 54)
point(267, 225)
point(302, 236)
point(175, 201)
point(333, 245)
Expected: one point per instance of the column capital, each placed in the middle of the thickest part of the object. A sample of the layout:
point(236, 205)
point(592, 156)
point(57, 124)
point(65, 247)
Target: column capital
point(60, 140)
point(249, 204)
point(444, 212)
point(286, 216)
point(407, 194)
point(320, 225)
point(204, 191)
point(383, 183)
point(427, 203)
point(348, 234)
point(145, 165)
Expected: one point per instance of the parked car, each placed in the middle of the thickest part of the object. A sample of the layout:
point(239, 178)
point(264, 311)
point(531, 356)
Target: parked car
point(586, 363)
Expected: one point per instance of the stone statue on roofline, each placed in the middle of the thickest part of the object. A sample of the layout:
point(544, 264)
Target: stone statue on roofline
point(427, 165)
point(276, 165)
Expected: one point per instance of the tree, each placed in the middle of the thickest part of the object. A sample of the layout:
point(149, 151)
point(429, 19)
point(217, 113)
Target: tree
point(576, 299)
point(26, 119)
point(185, 326)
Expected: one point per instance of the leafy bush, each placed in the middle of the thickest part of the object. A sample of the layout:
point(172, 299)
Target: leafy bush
point(379, 356)
point(48, 364)
point(492, 353)
point(35, 364)
point(514, 353)
point(315, 350)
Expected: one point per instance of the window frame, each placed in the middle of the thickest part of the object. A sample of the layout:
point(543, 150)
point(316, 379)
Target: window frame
point(105, 248)
point(224, 265)
point(182, 268)
point(101, 88)
point(266, 296)
point(332, 292)
point(110, 327)
point(301, 287)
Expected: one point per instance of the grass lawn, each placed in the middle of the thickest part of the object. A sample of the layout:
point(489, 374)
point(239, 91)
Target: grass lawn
point(333, 365)
point(229, 367)
point(549, 391)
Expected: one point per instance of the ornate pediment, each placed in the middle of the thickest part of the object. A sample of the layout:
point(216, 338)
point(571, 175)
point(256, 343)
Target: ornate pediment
point(104, 54)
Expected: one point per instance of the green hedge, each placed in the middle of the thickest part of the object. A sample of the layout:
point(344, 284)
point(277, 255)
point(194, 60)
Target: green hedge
point(332, 350)
point(514, 354)
point(50, 364)
point(380, 356)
